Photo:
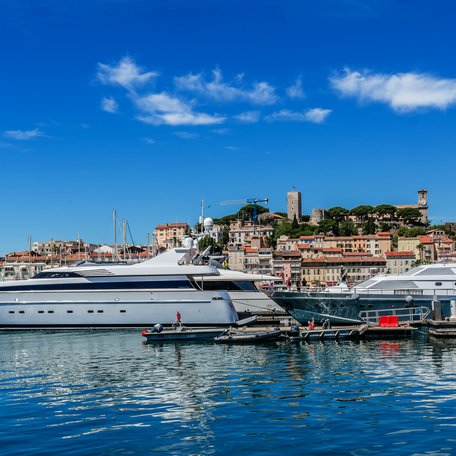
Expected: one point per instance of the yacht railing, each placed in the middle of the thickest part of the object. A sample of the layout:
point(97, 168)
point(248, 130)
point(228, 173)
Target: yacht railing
point(406, 315)
point(377, 291)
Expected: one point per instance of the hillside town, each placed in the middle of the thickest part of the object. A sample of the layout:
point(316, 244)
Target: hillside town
point(320, 249)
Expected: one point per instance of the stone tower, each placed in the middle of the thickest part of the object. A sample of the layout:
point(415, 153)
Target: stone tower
point(423, 205)
point(294, 204)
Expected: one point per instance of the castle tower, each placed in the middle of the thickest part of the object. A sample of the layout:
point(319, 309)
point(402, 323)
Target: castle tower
point(423, 205)
point(294, 204)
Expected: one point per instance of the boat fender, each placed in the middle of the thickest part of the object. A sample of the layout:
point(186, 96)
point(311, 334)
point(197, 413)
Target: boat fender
point(409, 299)
point(158, 328)
point(355, 296)
point(294, 330)
point(144, 333)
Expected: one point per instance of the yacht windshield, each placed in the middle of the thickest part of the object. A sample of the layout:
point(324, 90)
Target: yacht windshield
point(55, 275)
point(367, 283)
point(227, 285)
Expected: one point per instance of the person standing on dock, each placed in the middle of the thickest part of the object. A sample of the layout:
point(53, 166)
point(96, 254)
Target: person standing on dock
point(178, 322)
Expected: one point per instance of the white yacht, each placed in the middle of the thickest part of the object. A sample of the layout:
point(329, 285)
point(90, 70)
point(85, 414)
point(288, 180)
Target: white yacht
point(107, 296)
point(342, 304)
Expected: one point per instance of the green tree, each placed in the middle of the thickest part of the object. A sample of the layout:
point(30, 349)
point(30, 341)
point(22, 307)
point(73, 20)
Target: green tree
point(385, 211)
point(347, 229)
point(409, 215)
point(338, 212)
point(294, 223)
point(246, 212)
point(205, 242)
point(369, 227)
point(362, 212)
point(328, 226)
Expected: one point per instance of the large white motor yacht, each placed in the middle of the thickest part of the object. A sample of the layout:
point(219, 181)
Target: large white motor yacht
point(420, 286)
point(105, 296)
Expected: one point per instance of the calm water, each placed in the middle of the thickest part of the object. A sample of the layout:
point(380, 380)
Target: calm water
point(100, 393)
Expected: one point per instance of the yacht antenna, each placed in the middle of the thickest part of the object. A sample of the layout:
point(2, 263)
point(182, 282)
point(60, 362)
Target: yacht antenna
point(202, 216)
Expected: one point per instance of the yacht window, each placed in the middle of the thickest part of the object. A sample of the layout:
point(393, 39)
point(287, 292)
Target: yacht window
point(438, 284)
point(55, 275)
point(93, 285)
point(69, 311)
point(227, 285)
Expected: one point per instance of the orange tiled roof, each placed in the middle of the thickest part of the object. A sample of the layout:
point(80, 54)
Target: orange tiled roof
point(399, 254)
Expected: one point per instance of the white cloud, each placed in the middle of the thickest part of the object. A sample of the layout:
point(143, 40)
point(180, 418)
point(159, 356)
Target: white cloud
point(221, 131)
point(109, 104)
point(23, 135)
point(402, 91)
point(261, 93)
point(296, 91)
point(186, 134)
point(315, 115)
point(248, 116)
point(149, 140)
point(125, 73)
point(161, 108)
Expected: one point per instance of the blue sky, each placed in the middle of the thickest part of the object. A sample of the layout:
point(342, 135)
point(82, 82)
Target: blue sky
point(147, 107)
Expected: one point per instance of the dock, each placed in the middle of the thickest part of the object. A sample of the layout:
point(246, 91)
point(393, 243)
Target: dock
point(442, 328)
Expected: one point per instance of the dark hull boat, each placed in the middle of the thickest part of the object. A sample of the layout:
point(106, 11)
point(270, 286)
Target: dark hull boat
point(343, 309)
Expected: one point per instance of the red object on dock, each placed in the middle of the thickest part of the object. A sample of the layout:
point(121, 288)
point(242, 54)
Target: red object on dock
point(389, 321)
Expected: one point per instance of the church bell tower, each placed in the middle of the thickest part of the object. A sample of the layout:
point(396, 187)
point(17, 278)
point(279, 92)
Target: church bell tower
point(423, 205)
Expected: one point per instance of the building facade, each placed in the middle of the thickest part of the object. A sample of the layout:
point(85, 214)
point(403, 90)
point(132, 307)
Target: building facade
point(170, 235)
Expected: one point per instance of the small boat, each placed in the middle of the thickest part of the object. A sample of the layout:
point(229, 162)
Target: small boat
point(180, 334)
point(233, 336)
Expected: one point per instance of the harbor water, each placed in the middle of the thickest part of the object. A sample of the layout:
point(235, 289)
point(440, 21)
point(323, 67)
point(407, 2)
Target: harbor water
point(106, 392)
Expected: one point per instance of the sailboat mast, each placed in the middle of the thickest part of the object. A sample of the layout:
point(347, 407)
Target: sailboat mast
point(114, 217)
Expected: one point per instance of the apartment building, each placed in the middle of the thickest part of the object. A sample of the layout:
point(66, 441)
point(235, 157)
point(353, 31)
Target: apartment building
point(328, 271)
point(399, 262)
point(170, 235)
point(242, 232)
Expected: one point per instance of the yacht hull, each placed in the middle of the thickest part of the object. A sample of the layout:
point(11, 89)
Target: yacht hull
point(344, 308)
point(104, 309)
point(249, 303)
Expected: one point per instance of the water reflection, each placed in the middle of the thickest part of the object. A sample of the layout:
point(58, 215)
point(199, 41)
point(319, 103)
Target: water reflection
point(106, 390)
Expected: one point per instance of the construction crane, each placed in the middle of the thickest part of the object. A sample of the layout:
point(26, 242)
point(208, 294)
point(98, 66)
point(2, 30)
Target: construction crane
point(253, 201)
